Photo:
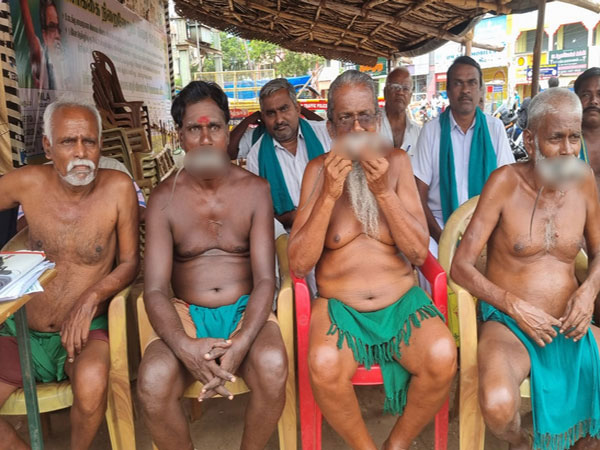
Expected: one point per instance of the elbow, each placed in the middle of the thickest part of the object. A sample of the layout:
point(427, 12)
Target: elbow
point(420, 257)
point(297, 267)
point(457, 272)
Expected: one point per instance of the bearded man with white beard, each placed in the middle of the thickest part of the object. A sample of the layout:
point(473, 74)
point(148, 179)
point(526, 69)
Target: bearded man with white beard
point(361, 223)
point(536, 318)
point(84, 219)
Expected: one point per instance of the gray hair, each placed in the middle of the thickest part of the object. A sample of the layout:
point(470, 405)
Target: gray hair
point(275, 85)
point(405, 71)
point(551, 101)
point(56, 105)
point(350, 77)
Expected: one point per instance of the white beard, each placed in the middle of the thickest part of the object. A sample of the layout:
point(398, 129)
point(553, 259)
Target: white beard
point(362, 200)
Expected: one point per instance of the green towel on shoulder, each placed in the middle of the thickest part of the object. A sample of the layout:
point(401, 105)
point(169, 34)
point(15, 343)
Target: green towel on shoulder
point(482, 161)
point(270, 169)
point(374, 338)
point(218, 322)
point(583, 154)
point(48, 354)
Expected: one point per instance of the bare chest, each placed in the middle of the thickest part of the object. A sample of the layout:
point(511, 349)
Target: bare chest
point(554, 229)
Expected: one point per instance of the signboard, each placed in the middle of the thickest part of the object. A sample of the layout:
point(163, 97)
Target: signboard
point(53, 58)
point(523, 62)
point(546, 71)
point(379, 69)
point(570, 62)
point(490, 31)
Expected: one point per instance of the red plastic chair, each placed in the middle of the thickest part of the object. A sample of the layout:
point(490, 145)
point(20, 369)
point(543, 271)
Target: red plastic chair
point(310, 414)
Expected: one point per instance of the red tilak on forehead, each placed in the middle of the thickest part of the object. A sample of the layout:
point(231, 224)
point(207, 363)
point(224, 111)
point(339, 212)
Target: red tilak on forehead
point(204, 120)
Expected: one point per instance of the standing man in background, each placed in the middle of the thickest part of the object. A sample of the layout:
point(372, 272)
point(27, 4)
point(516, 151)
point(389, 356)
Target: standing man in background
point(399, 129)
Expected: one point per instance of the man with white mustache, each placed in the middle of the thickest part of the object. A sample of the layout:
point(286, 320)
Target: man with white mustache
point(536, 319)
point(361, 223)
point(84, 219)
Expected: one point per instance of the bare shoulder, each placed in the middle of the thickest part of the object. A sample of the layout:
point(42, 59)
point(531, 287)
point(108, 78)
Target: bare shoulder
point(507, 176)
point(114, 178)
point(398, 158)
point(247, 183)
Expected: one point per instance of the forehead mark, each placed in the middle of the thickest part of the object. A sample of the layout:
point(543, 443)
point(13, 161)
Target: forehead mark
point(203, 120)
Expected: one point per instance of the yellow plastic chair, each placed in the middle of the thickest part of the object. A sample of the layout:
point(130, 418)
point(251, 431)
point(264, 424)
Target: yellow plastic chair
point(285, 315)
point(471, 425)
point(56, 396)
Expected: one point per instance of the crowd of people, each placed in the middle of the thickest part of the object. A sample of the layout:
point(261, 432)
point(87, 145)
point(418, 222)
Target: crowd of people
point(364, 196)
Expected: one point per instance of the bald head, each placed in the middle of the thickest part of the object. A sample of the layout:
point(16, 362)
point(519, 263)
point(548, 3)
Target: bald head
point(398, 90)
point(552, 101)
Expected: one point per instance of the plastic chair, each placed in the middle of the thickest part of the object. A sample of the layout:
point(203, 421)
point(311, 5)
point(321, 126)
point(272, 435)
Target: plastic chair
point(285, 315)
point(310, 414)
point(472, 427)
point(55, 396)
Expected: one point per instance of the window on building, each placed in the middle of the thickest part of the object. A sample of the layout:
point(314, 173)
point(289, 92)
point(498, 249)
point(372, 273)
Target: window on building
point(526, 41)
point(596, 36)
point(571, 37)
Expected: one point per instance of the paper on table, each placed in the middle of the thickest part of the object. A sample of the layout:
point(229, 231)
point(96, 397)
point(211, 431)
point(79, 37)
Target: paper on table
point(24, 276)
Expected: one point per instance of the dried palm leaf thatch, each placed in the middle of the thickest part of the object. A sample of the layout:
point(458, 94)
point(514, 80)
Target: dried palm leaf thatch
point(350, 30)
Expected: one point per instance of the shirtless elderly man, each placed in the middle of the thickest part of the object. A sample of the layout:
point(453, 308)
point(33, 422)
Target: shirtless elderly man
point(83, 218)
point(536, 318)
point(210, 237)
point(363, 226)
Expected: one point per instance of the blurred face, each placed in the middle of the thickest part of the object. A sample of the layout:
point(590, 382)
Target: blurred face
point(464, 91)
point(589, 94)
point(281, 116)
point(204, 136)
point(75, 148)
point(397, 91)
point(51, 31)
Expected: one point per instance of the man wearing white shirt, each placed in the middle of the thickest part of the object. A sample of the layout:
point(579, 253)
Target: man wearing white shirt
point(399, 129)
point(462, 144)
point(282, 153)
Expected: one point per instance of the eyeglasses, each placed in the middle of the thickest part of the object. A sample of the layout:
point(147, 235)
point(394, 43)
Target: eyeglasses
point(395, 87)
point(366, 120)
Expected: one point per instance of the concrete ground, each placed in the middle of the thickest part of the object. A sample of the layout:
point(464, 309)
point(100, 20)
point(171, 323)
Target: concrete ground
point(221, 424)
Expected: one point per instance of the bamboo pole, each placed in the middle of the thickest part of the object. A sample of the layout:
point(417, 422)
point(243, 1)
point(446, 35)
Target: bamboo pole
point(537, 48)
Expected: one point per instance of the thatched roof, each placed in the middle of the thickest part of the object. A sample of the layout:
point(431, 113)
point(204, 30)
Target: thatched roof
point(351, 30)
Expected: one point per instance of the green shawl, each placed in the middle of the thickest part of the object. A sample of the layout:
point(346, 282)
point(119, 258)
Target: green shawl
point(565, 385)
point(375, 337)
point(583, 154)
point(482, 161)
point(269, 167)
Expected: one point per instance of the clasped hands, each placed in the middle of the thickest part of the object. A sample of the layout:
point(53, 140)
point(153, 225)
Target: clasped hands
point(541, 326)
point(213, 362)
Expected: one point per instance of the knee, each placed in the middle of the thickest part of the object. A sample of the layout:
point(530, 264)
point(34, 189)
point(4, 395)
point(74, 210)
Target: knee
point(271, 365)
point(440, 360)
point(499, 406)
point(155, 382)
point(324, 365)
point(90, 385)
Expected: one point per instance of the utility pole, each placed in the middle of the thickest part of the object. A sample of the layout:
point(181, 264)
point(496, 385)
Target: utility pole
point(537, 48)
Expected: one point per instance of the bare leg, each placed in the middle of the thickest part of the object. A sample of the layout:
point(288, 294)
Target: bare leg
point(503, 365)
point(89, 381)
point(331, 371)
point(430, 358)
point(10, 439)
point(589, 443)
point(162, 380)
point(265, 372)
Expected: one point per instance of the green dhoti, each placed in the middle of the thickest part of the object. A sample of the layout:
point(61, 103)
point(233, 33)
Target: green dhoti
point(375, 337)
point(47, 351)
point(565, 385)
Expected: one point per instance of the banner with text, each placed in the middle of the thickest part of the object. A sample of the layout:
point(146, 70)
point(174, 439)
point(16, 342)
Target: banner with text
point(54, 43)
